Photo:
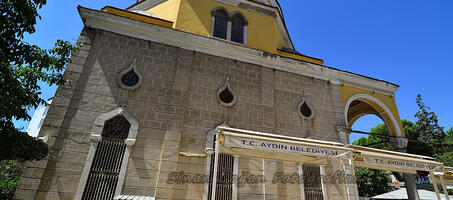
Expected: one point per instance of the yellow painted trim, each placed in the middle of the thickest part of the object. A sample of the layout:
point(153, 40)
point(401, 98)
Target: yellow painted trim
point(221, 139)
point(137, 16)
point(300, 57)
point(201, 155)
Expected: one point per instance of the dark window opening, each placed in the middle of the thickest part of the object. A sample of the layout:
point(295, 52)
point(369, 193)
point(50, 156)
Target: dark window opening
point(305, 110)
point(116, 128)
point(220, 25)
point(226, 96)
point(237, 29)
point(130, 79)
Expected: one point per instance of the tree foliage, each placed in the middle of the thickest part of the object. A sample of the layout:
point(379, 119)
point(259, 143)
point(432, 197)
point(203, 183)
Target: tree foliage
point(16, 145)
point(10, 172)
point(22, 66)
point(449, 137)
point(372, 182)
point(426, 137)
point(434, 141)
point(383, 130)
point(381, 142)
point(428, 130)
point(446, 158)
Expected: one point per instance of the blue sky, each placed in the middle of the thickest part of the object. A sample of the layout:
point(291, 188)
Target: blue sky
point(407, 42)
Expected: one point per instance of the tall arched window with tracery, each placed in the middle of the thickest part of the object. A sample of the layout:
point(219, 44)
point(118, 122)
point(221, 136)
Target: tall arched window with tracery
point(113, 136)
point(106, 165)
point(220, 23)
point(238, 28)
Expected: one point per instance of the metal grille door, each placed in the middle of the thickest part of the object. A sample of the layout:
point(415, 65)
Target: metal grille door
point(104, 171)
point(224, 186)
point(312, 182)
point(106, 166)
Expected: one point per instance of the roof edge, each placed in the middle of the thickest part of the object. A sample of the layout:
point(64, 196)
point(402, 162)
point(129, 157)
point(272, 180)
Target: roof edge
point(237, 52)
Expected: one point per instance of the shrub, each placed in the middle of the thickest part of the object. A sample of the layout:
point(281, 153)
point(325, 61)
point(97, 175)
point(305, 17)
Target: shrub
point(10, 172)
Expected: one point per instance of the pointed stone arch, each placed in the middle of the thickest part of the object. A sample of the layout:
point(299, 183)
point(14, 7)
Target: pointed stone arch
point(100, 122)
point(362, 104)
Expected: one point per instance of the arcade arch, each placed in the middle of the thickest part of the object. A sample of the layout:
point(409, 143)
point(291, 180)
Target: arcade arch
point(363, 104)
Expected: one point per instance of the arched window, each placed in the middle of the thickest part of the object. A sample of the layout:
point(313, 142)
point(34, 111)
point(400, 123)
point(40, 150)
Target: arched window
point(220, 23)
point(106, 165)
point(237, 28)
point(229, 26)
point(112, 139)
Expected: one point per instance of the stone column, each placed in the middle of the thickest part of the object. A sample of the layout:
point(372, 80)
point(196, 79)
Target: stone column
point(235, 174)
point(432, 178)
point(346, 172)
point(442, 182)
point(351, 188)
point(302, 186)
point(95, 139)
point(209, 152)
point(400, 145)
point(344, 133)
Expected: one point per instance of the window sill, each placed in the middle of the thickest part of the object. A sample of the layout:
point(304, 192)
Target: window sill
point(229, 41)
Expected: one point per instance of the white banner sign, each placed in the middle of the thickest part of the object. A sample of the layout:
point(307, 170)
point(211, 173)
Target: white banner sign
point(272, 146)
point(398, 164)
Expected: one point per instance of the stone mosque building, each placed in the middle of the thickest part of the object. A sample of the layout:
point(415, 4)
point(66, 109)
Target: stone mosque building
point(168, 95)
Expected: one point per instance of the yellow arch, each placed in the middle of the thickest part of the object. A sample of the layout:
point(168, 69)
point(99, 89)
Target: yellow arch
point(358, 102)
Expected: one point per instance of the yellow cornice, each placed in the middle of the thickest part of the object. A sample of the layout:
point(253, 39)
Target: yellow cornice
point(136, 16)
point(300, 57)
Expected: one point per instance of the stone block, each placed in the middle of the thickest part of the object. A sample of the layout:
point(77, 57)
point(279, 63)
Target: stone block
point(22, 194)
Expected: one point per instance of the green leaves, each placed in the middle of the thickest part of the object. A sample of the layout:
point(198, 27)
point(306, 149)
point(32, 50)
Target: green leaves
point(429, 131)
point(22, 67)
point(10, 172)
point(449, 137)
point(16, 145)
point(376, 141)
point(426, 136)
point(372, 182)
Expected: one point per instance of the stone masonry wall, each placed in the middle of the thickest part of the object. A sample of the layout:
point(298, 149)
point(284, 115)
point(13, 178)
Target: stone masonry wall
point(176, 105)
